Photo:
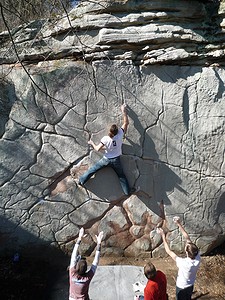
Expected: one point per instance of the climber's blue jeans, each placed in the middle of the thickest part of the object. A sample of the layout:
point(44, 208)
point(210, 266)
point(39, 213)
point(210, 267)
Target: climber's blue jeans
point(110, 162)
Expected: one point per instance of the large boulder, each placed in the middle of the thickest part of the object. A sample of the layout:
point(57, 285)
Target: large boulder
point(65, 83)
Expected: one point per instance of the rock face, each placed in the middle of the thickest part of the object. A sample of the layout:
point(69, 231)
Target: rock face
point(63, 82)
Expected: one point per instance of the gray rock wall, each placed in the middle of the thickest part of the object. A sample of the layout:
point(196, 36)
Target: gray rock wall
point(174, 148)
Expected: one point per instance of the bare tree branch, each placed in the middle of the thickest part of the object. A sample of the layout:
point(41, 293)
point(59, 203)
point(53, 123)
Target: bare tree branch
point(20, 61)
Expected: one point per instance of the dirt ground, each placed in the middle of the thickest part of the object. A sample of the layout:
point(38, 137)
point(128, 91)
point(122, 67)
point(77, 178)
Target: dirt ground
point(30, 280)
point(210, 282)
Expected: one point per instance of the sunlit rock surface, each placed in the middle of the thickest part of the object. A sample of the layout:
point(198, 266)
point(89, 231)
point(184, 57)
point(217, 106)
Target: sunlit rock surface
point(63, 82)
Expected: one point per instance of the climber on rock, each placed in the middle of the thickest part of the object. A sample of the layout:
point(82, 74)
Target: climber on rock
point(112, 145)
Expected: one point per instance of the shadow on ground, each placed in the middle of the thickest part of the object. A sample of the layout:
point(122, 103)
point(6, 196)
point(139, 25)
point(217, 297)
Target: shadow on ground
point(39, 279)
